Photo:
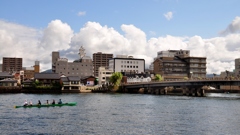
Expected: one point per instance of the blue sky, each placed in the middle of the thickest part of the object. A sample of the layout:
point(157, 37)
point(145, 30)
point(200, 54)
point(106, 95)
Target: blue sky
point(204, 18)
point(141, 28)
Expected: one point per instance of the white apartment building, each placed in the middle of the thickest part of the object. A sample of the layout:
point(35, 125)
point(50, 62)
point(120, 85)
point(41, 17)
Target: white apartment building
point(127, 64)
point(104, 75)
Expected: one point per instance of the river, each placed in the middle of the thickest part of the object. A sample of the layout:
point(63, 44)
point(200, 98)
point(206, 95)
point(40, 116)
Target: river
point(122, 114)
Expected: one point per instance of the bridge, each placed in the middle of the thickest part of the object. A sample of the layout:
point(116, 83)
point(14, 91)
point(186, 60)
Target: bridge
point(192, 87)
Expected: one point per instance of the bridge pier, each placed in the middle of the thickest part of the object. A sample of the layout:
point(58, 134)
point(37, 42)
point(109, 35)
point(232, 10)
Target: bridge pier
point(191, 91)
point(185, 91)
point(157, 91)
point(165, 91)
point(203, 93)
point(196, 93)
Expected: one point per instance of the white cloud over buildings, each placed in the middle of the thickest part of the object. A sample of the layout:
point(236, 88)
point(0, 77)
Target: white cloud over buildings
point(168, 15)
point(33, 44)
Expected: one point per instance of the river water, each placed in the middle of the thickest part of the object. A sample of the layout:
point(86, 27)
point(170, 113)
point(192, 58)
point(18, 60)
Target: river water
point(122, 114)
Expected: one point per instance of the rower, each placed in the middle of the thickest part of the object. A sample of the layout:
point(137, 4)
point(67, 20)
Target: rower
point(25, 103)
point(47, 102)
point(30, 103)
point(39, 102)
point(60, 101)
point(53, 102)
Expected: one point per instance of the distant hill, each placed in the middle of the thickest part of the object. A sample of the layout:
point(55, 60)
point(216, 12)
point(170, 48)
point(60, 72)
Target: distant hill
point(47, 71)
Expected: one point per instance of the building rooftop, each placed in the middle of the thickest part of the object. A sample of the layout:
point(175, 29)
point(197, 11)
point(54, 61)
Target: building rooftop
point(46, 76)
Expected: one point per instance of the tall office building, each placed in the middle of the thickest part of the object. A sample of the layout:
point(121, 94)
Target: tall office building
point(237, 67)
point(100, 60)
point(11, 64)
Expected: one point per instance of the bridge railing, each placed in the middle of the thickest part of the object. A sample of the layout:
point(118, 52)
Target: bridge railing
point(193, 79)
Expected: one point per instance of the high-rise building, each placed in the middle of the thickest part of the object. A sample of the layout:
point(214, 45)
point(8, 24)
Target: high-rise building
point(55, 57)
point(100, 60)
point(11, 64)
point(81, 67)
point(237, 67)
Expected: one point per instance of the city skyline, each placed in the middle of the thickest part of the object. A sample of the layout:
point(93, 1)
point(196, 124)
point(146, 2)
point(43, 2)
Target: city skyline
point(32, 30)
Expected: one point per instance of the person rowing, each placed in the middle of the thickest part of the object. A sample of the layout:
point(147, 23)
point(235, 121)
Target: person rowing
point(30, 103)
point(60, 101)
point(53, 102)
point(39, 102)
point(25, 103)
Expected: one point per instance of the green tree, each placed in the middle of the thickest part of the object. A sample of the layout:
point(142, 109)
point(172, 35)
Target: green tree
point(116, 78)
point(158, 77)
point(36, 83)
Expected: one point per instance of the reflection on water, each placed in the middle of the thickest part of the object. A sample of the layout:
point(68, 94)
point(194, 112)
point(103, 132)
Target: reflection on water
point(130, 114)
point(224, 95)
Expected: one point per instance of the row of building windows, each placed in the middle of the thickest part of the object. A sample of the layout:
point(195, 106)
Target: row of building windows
point(131, 62)
point(73, 69)
point(133, 71)
point(71, 65)
point(128, 66)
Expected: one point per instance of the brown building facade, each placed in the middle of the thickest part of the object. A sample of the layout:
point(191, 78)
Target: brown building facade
point(179, 65)
point(11, 64)
point(100, 60)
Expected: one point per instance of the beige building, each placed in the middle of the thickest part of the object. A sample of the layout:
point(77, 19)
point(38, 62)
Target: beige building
point(177, 64)
point(28, 72)
point(100, 60)
point(104, 75)
point(11, 64)
point(82, 67)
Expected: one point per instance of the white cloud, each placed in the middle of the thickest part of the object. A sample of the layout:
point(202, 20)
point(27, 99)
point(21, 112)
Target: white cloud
point(168, 15)
point(234, 27)
point(152, 33)
point(33, 44)
point(82, 13)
